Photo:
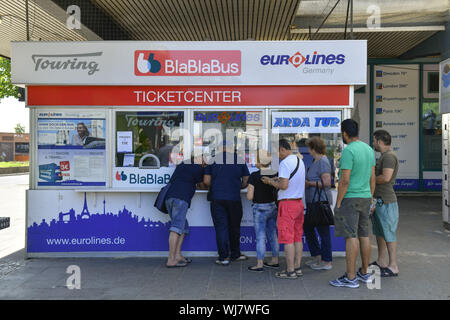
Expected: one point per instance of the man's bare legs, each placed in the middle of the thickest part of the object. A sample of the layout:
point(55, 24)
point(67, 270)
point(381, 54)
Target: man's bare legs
point(298, 254)
point(364, 245)
point(351, 252)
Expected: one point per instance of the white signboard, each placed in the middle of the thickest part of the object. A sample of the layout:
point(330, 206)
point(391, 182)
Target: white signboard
point(396, 95)
point(444, 87)
point(124, 141)
point(306, 122)
point(190, 63)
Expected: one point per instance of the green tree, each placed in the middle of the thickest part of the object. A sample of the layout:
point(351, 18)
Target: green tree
point(19, 128)
point(6, 88)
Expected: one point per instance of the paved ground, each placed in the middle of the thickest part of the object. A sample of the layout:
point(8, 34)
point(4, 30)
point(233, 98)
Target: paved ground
point(424, 259)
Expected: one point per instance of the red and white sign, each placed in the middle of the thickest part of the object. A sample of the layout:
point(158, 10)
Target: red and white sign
point(187, 63)
point(189, 96)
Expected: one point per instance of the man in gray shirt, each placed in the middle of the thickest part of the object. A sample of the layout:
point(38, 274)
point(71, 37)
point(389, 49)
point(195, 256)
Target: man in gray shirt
point(385, 217)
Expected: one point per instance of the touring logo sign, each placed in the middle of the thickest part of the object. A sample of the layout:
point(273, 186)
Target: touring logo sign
point(187, 63)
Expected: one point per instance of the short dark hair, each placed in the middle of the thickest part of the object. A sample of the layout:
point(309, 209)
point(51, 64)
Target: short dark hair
point(384, 136)
point(317, 144)
point(283, 143)
point(350, 127)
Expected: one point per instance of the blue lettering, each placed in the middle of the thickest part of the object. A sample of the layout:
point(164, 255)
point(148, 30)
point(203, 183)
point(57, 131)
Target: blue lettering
point(166, 178)
point(277, 122)
point(265, 60)
point(340, 59)
point(284, 59)
point(132, 178)
point(287, 122)
point(296, 122)
point(305, 122)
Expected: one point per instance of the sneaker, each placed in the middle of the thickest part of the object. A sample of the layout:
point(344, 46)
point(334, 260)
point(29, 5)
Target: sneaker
point(345, 282)
point(321, 266)
point(223, 262)
point(310, 262)
point(366, 278)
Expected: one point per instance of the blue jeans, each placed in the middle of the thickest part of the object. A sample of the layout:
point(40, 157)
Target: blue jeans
point(227, 216)
point(177, 209)
point(313, 243)
point(265, 221)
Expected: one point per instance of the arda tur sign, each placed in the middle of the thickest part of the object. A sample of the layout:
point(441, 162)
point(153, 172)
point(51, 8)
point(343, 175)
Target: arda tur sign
point(190, 63)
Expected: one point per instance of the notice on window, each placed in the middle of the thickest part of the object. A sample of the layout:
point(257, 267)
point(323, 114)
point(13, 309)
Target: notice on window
point(306, 122)
point(71, 148)
point(124, 141)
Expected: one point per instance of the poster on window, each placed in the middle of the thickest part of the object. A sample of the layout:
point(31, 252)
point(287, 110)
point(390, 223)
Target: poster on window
point(396, 106)
point(71, 148)
point(306, 122)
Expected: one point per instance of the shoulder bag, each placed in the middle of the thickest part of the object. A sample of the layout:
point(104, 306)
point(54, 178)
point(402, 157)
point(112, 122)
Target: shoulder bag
point(160, 202)
point(319, 212)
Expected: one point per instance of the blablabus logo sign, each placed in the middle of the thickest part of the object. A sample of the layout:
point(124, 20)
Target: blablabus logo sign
point(59, 62)
point(312, 63)
point(187, 63)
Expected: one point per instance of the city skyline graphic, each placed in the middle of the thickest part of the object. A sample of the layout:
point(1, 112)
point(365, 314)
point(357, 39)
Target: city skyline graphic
point(120, 232)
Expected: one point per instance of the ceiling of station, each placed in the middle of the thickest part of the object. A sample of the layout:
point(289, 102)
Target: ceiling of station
point(229, 20)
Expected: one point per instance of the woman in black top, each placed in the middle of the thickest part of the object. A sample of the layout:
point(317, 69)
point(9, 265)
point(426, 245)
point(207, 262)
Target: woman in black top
point(264, 212)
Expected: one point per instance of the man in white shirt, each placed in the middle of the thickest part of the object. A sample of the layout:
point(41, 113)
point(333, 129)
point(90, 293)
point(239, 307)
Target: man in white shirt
point(291, 186)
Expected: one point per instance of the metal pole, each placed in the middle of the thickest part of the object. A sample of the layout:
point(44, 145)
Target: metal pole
point(351, 19)
point(346, 20)
point(27, 22)
point(327, 17)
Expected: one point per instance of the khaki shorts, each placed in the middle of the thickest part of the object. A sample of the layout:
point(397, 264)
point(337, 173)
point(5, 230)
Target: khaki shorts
point(352, 218)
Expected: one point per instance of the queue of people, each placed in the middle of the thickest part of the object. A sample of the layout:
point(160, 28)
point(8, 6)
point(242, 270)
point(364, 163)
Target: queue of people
point(280, 200)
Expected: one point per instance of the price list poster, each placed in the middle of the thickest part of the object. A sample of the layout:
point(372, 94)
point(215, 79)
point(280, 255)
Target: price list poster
point(396, 106)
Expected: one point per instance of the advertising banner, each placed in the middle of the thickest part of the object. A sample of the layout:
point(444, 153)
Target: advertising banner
point(71, 150)
point(306, 122)
point(70, 221)
point(444, 88)
point(396, 106)
point(194, 63)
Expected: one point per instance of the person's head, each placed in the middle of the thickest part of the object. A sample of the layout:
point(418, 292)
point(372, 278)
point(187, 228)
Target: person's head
point(284, 148)
point(263, 159)
point(381, 140)
point(349, 130)
point(82, 130)
point(316, 146)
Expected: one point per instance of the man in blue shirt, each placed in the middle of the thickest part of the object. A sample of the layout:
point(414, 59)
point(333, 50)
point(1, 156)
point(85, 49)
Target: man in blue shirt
point(185, 179)
point(226, 178)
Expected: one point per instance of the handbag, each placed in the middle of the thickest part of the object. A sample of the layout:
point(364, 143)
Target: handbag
point(319, 212)
point(160, 201)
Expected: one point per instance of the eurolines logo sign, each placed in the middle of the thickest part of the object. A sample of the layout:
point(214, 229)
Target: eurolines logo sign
point(187, 63)
point(314, 60)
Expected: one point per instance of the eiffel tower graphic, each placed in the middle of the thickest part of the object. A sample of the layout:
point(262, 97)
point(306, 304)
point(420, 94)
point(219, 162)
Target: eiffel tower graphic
point(85, 211)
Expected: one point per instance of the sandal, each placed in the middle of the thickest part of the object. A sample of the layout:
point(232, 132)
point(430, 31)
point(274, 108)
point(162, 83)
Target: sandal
point(386, 272)
point(298, 272)
point(255, 269)
point(273, 266)
point(286, 275)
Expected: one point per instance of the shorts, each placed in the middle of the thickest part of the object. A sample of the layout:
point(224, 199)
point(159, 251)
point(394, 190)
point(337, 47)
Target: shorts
point(290, 221)
point(177, 209)
point(352, 218)
point(385, 221)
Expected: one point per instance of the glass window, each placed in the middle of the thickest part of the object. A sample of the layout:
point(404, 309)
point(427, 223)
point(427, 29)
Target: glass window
point(149, 139)
point(431, 136)
point(243, 128)
point(298, 126)
point(22, 147)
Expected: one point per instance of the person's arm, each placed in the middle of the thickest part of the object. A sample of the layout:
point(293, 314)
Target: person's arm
point(385, 177)
point(373, 181)
point(326, 178)
point(281, 183)
point(250, 192)
point(244, 182)
point(207, 180)
point(343, 186)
